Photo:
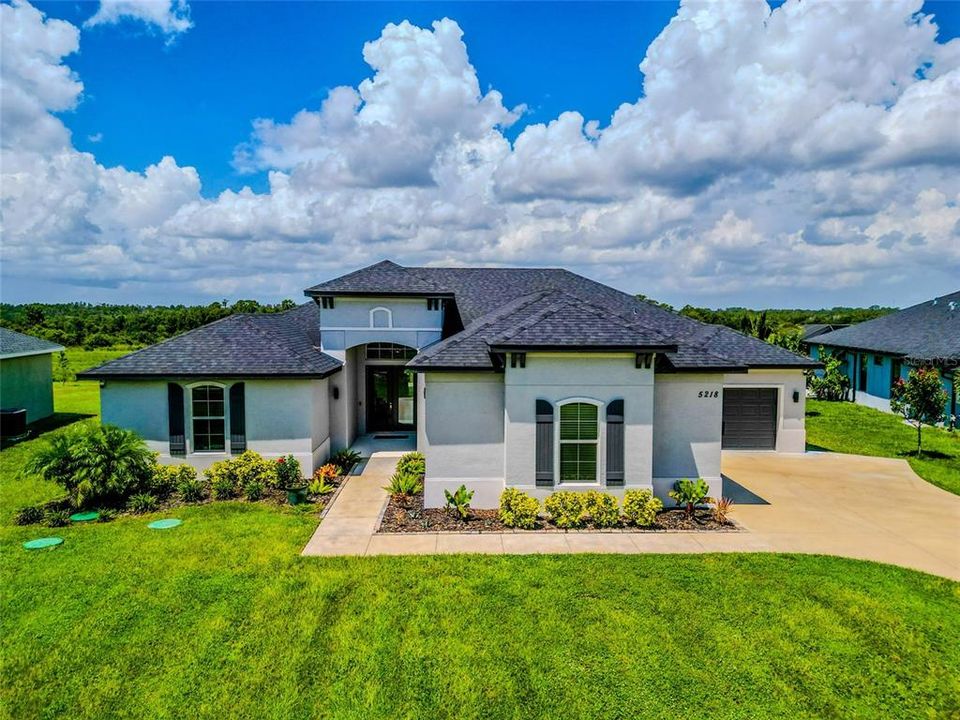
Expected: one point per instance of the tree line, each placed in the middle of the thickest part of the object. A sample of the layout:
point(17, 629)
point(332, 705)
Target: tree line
point(99, 326)
point(93, 326)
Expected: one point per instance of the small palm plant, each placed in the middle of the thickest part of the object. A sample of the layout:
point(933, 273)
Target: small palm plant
point(689, 493)
point(460, 501)
point(94, 464)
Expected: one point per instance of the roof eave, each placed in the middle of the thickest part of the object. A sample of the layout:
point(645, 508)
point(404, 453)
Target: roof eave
point(583, 348)
point(31, 353)
point(94, 375)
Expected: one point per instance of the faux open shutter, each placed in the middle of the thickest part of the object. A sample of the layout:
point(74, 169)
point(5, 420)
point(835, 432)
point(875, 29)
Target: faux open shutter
point(178, 438)
point(544, 444)
point(615, 443)
point(238, 419)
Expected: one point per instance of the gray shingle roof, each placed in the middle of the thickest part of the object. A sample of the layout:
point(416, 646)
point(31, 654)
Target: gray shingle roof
point(14, 344)
point(383, 278)
point(244, 345)
point(494, 300)
point(928, 331)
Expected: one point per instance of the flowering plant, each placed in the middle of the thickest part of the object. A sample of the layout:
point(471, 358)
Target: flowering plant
point(288, 472)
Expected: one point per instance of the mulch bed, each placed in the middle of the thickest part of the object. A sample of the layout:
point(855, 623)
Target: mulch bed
point(407, 515)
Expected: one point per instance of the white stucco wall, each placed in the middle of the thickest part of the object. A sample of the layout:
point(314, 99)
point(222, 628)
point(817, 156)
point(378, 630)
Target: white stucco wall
point(460, 431)
point(27, 382)
point(791, 425)
point(283, 416)
point(687, 426)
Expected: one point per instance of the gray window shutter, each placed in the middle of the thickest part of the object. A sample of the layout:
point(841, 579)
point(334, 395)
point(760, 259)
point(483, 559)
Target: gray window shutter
point(544, 444)
point(238, 419)
point(615, 443)
point(178, 438)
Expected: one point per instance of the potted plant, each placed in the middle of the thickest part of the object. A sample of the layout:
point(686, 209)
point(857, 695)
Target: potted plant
point(290, 479)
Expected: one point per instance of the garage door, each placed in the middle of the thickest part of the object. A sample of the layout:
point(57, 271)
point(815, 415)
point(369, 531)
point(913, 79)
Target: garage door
point(749, 418)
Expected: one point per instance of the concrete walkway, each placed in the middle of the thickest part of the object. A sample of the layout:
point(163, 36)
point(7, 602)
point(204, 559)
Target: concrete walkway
point(869, 508)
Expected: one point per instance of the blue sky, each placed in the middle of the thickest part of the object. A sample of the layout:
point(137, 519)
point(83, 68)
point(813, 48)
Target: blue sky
point(711, 191)
point(195, 98)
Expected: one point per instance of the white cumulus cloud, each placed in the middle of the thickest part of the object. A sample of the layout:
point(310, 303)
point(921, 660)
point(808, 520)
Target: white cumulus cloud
point(170, 17)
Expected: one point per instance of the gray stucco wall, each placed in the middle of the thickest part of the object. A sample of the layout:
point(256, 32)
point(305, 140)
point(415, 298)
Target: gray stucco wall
point(354, 321)
point(461, 434)
point(282, 416)
point(479, 429)
point(687, 426)
point(27, 382)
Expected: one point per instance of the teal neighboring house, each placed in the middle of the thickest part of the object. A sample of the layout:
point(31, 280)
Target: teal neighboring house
point(26, 374)
point(879, 351)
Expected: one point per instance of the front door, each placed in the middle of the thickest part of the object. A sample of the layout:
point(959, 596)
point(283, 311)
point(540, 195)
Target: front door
point(391, 399)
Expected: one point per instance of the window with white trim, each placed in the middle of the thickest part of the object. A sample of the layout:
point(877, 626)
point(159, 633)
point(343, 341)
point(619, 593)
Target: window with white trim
point(579, 439)
point(209, 428)
point(381, 317)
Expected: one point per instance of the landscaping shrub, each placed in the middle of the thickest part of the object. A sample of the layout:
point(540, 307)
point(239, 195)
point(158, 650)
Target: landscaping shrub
point(833, 384)
point(167, 478)
point(29, 515)
point(288, 474)
point(96, 464)
point(689, 493)
point(722, 508)
point(142, 503)
point(56, 518)
point(251, 468)
point(640, 507)
point(413, 462)
point(601, 508)
point(191, 489)
point(222, 486)
point(566, 509)
point(345, 459)
point(460, 501)
point(107, 515)
point(517, 509)
point(405, 483)
point(253, 490)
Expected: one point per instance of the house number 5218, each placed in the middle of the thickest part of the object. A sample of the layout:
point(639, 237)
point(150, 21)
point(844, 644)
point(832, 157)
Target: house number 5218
point(708, 394)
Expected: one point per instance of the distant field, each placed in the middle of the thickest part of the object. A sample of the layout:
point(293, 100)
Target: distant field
point(80, 359)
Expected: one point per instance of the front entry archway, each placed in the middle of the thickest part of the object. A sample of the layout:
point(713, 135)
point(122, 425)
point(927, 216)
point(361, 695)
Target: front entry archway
point(391, 398)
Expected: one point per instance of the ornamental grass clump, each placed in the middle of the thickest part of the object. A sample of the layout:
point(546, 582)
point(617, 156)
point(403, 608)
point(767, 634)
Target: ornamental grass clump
point(640, 507)
point(517, 509)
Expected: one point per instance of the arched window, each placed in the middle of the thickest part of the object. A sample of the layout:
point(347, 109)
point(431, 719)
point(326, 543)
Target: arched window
point(579, 437)
point(208, 418)
point(381, 317)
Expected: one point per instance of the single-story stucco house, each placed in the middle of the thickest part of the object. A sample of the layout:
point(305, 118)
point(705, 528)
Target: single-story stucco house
point(26, 374)
point(538, 379)
point(878, 352)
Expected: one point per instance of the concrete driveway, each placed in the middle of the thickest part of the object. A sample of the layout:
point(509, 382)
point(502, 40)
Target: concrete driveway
point(850, 505)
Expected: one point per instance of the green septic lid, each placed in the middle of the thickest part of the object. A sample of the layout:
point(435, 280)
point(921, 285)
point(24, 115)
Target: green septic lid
point(164, 524)
point(84, 516)
point(41, 543)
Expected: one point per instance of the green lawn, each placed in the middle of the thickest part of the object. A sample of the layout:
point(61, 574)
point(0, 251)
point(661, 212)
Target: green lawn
point(80, 359)
point(222, 618)
point(850, 428)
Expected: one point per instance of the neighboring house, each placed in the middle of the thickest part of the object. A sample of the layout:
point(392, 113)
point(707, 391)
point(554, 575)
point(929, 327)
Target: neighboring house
point(26, 374)
point(811, 331)
point(878, 352)
point(534, 378)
